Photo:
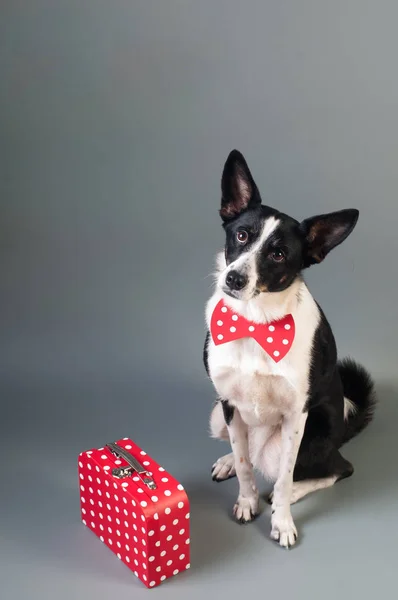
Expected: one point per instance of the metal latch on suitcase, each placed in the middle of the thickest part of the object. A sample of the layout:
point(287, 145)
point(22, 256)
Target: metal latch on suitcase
point(134, 466)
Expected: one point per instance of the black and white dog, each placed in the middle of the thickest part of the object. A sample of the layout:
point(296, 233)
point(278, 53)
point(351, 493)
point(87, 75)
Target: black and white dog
point(285, 403)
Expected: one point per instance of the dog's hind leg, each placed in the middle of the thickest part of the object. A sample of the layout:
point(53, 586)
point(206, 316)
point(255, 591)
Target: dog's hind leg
point(313, 478)
point(224, 467)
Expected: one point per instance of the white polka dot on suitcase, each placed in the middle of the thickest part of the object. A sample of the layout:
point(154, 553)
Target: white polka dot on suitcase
point(169, 538)
point(151, 558)
point(180, 487)
point(182, 531)
point(181, 505)
point(182, 556)
point(169, 562)
point(167, 510)
point(175, 522)
point(175, 548)
point(163, 527)
point(151, 533)
point(144, 504)
point(152, 584)
point(163, 577)
point(175, 572)
point(163, 553)
point(167, 493)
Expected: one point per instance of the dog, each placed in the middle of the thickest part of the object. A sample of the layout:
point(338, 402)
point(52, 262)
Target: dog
point(285, 403)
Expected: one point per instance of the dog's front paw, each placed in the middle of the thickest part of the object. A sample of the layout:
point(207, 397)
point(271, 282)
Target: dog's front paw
point(246, 509)
point(283, 529)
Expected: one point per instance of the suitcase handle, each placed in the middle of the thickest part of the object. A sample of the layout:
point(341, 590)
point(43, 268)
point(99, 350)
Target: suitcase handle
point(134, 466)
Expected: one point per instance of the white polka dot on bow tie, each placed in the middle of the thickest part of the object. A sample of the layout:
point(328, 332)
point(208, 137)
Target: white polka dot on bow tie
point(220, 337)
point(234, 317)
point(270, 340)
point(287, 326)
point(285, 342)
point(224, 309)
point(276, 353)
point(251, 328)
point(271, 328)
point(232, 329)
point(220, 323)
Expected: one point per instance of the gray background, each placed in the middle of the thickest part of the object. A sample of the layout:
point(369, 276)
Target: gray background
point(116, 118)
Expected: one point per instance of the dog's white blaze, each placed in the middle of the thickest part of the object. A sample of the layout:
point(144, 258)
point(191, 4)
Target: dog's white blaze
point(247, 260)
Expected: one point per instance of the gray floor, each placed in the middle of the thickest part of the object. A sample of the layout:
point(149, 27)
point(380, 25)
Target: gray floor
point(347, 533)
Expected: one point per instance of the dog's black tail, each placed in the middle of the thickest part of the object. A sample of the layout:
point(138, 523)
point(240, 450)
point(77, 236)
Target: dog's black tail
point(359, 397)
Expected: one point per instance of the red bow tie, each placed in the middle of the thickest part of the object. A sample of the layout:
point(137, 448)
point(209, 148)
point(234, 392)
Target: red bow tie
point(276, 337)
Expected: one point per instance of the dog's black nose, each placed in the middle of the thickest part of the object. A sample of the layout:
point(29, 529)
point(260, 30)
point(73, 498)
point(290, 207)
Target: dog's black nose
point(236, 281)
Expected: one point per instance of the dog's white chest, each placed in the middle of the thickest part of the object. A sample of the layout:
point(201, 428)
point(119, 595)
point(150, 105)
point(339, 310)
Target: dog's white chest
point(247, 376)
point(243, 373)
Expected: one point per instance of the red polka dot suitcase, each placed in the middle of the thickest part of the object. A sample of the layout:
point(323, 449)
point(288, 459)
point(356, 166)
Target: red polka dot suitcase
point(137, 509)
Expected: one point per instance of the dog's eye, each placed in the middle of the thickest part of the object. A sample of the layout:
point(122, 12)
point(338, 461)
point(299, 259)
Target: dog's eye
point(242, 236)
point(278, 255)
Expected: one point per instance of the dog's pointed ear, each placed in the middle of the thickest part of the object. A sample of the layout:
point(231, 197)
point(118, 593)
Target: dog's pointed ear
point(239, 192)
point(325, 232)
